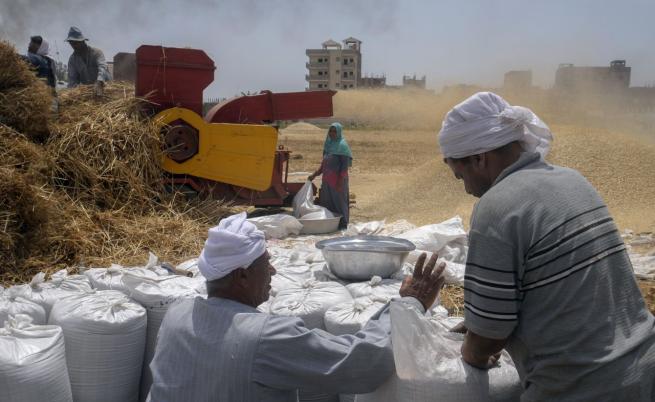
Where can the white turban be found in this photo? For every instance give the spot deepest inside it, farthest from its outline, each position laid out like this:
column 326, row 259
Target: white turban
column 485, row 122
column 234, row 243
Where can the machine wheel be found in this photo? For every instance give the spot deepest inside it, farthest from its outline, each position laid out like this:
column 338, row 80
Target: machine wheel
column 181, row 142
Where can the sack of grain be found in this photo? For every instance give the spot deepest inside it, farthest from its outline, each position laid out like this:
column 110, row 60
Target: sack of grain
column 105, row 333
column 277, row 226
column 14, row 305
column 156, row 295
column 47, row 293
column 112, row 278
column 310, row 301
column 33, row 362
column 351, row 316
column 430, row 367
column 378, row 288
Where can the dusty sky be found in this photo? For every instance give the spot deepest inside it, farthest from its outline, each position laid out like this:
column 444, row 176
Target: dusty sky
column 260, row 44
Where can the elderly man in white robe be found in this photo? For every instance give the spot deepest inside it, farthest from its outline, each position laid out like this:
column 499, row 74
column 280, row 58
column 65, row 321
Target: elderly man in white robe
column 224, row 349
column 547, row 274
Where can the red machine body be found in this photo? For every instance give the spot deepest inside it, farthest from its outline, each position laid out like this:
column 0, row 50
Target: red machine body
column 174, row 77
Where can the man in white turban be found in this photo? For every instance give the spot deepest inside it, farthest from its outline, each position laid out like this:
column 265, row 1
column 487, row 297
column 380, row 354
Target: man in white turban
column 223, row 349
column 547, row 274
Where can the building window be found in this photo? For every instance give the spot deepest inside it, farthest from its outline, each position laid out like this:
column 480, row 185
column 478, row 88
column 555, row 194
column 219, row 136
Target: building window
column 337, row 85
column 351, row 85
column 351, row 73
column 345, row 62
column 351, row 60
column 320, row 73
column 337, row 71
column 320, row 60
column 345, row 74
column 338, row 58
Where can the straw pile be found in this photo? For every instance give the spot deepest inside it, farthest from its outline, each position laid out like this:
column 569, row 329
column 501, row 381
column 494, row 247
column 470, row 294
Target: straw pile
column 24, row 99
column 92, row 193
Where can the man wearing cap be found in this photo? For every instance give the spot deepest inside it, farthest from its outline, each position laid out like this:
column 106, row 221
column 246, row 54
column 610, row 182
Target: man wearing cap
column 223, row 349
column 547, row 274
column 87, row 64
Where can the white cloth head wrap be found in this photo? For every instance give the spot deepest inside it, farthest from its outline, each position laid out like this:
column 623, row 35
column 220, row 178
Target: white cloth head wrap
column 234, row 243
column 485, row 122
column 44, row 48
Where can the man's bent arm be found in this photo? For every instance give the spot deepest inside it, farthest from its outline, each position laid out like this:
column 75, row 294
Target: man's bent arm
column 478, row 350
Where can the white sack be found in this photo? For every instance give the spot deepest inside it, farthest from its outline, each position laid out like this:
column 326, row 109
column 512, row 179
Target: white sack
column 112, row 278
column 278, row 226
column 33, row 362
column 10, row 305
column 351, row 316
column 304, row 207
column 156, row 295
column 366, row 228
column 47, row 293
column 378, row 288
column 105, row 334
column 429, row 365
column 310, row 301
column 644, row 265
column 448, row 239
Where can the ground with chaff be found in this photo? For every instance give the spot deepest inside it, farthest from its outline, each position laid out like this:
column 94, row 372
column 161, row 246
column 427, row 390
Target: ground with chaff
column 86, row 188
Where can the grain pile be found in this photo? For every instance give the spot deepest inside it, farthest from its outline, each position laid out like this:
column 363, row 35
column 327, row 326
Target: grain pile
column 91, row 193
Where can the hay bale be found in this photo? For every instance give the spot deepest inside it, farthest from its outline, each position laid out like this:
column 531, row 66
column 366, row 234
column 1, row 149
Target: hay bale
column 106, row 153
column 25, row 100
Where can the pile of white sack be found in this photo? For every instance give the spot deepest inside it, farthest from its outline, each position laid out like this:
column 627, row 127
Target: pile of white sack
column 280, row 226
column 87, row 337
column 93, row 335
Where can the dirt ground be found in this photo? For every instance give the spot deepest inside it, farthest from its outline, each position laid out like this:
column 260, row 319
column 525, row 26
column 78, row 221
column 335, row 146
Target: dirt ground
column 400, row 174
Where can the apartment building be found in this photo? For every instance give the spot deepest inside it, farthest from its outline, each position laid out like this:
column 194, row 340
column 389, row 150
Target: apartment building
column 335, row 66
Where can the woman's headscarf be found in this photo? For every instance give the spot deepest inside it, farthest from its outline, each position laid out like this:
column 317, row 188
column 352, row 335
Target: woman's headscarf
column 339, row 146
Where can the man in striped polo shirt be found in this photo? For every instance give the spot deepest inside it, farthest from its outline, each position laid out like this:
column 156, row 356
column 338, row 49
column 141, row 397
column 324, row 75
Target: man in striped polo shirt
column 547, row 276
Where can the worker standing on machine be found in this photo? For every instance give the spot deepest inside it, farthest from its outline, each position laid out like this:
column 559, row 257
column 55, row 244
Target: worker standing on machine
column 87, row 64
column 337, row 158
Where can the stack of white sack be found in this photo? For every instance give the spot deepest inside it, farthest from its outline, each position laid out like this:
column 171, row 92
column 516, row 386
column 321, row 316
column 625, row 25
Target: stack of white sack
column 309, row 301
column 112, row 278
column 13, row 305
column 46, row 294
column 278, row 226
column 448, row 239
column 293, row 267
column 304, row 207
column 33, row 362
column 351, row 316
column 156, row 295
column 377, row 288
column 105, row 334
column 429, row 367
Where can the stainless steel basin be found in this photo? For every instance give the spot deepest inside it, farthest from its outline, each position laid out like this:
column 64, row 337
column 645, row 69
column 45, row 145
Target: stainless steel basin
column 359, row 258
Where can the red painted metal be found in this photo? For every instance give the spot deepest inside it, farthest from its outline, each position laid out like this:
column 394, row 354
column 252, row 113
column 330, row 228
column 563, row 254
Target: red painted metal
column 267, row 107
column 173, row 76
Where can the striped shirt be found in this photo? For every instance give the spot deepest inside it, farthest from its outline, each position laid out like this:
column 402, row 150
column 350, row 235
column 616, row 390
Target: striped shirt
column 548, row 270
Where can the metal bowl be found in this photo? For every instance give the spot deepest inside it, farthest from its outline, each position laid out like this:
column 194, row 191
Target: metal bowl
column 320, row 226
column 359, row 258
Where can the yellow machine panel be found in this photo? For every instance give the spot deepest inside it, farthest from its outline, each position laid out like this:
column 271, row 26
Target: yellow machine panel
column 238, row 154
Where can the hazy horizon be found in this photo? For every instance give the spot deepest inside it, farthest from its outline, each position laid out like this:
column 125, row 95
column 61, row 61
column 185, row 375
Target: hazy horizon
column 261, row 44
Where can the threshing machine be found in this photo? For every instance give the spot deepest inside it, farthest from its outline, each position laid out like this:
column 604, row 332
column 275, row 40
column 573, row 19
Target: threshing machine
column 232, row 152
